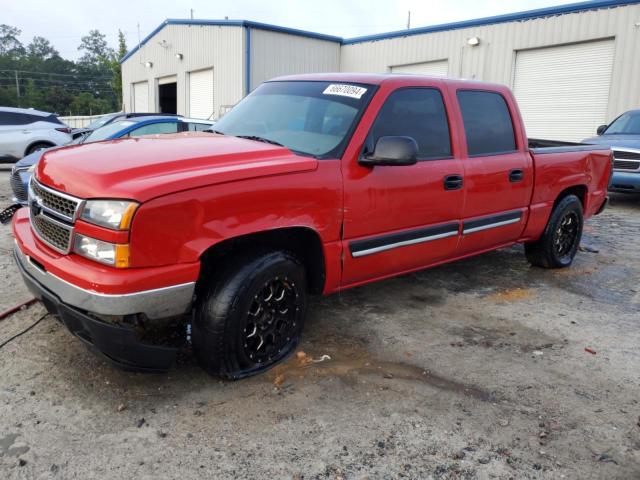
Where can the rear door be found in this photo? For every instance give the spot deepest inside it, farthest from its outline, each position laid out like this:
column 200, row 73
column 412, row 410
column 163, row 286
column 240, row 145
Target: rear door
column 498, row 171
column 401, row 218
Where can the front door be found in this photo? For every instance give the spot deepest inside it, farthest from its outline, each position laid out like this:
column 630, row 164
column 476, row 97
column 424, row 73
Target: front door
column 401, row 218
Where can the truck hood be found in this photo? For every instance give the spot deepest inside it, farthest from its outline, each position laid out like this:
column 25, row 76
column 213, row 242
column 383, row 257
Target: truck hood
column 148, row 167
column 623, row 141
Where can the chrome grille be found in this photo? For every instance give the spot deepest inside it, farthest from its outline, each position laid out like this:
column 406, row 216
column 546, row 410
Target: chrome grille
column 52, row 215
column 626, row 165
column 52, row 232
column 626, row 154
column 57, row 203
column 18, row 188
column 628, row 160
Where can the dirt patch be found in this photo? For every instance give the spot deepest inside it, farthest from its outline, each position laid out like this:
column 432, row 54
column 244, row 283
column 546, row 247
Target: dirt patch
column 353, row 361
column 511, row 295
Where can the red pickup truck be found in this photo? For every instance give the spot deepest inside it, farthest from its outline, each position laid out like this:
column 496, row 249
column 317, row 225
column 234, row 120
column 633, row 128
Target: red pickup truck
column 310, row 185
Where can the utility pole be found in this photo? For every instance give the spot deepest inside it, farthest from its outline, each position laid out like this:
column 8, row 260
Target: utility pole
column 17, row 88
column 409, row 20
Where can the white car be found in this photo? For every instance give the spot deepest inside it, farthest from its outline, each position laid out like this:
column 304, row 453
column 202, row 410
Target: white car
column 23, row 131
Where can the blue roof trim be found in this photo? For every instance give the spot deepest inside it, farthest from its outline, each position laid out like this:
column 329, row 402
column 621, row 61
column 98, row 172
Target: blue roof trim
column 509, row 17
column 234, row 23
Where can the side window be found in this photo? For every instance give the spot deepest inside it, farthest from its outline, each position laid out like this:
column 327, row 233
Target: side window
column 418, row 113
column 487, row 122
column 199, row 127
column 155, row 128
column 12, row 118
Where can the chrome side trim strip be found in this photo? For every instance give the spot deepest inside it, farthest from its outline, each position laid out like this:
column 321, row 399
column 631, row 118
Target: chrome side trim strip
column 362, row 253
column 157, row 303
column 491, row 225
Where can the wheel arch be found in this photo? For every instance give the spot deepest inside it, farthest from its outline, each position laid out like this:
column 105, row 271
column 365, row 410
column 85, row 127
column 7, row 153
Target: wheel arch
column 579, row 191
column 33, row 143
column 304, row 242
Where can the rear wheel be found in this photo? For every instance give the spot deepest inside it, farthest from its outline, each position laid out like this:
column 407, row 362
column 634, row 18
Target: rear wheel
column 559, row 243
column 251, row 315
column 37, row 146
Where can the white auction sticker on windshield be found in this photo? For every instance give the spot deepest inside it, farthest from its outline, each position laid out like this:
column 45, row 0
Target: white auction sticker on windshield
column 343, row 90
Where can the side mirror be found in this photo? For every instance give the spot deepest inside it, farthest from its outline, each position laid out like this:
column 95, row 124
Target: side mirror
column 601, row 129
column 392, row 151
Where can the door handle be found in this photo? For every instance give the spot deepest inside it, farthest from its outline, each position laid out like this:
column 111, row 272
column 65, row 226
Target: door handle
column 453, row 182
column 516, row 175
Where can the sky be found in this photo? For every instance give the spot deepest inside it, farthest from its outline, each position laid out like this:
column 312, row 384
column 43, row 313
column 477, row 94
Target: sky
column 64, row 22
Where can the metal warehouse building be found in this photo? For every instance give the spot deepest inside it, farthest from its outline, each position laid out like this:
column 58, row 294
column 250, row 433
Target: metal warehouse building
column 572, row 67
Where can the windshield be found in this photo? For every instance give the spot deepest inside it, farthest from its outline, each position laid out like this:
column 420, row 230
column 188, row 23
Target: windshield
column 626, row 124
column 100, row 122
column 310, row 118
column 107, row 131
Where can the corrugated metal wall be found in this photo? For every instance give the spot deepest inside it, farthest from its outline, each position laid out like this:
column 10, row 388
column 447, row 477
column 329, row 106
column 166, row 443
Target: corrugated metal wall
column 494, row 59
column 220, row 47
column 274, row 54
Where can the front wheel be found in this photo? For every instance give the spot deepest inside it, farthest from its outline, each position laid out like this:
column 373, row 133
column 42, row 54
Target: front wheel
column 559, row 243
column 251, row 314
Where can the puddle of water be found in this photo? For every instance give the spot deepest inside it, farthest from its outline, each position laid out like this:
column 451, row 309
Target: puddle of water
column 349, row 362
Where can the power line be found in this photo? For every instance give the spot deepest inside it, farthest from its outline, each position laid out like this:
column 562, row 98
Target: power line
column 57, row 74
column 64, row 82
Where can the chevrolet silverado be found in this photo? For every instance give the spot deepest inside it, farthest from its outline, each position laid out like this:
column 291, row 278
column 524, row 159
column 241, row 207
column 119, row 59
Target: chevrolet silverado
column 312, row 184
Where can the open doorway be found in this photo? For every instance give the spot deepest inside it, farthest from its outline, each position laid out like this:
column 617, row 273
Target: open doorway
column 167, row 97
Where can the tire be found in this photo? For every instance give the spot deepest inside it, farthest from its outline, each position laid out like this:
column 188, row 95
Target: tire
column 37, row 146
column 251, row 315
column 559, row 243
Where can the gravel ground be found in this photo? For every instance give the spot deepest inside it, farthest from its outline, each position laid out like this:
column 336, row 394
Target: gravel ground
column 476, row 369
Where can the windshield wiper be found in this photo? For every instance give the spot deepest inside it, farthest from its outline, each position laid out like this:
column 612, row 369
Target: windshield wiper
column 260, row 139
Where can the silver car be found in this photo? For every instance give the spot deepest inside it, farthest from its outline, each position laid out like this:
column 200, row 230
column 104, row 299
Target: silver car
column 24, row 131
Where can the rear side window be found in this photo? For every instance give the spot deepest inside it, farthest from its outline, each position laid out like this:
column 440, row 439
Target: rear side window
column 155, row 128
column 418, row 113
column 487, row 122
column 199, row 127
column 51, row 119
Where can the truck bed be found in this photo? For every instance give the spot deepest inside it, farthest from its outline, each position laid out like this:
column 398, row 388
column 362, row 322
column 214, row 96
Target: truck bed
column 541, row 146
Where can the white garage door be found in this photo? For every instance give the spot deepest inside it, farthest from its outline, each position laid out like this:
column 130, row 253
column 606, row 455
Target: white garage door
column 141, row 97
column 438, row 69
column 563, row 91
column 201, row 94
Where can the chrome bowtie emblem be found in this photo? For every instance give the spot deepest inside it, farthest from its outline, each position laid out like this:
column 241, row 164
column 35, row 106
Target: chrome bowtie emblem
column 35, row 205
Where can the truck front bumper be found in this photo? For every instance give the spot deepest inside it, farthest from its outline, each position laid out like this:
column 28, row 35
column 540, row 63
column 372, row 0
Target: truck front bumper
column 626, row 182
column 84, row 294
column 118, row 345
column 157, row 303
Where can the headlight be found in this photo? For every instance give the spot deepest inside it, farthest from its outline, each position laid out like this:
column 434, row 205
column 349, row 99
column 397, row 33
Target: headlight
column 114, row 214
column 116, row 255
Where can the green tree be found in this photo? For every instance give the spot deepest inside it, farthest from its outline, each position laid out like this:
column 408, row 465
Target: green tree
column 10, row 45
column 86, row 104
column 96, row 50
column 40, row 48
column 116, row 82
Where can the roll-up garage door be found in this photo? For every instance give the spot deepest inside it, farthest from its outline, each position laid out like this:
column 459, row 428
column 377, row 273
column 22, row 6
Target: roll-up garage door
column 141, row 97
column 439, row 68
column 563, row 91
column 201, row 94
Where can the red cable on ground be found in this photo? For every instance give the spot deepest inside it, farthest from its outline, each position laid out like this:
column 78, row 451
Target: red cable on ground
column 12, row 310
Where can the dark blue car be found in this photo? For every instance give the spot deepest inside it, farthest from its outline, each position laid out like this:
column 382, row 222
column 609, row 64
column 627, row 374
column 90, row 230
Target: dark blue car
column 125, row 127
column 623, row 136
